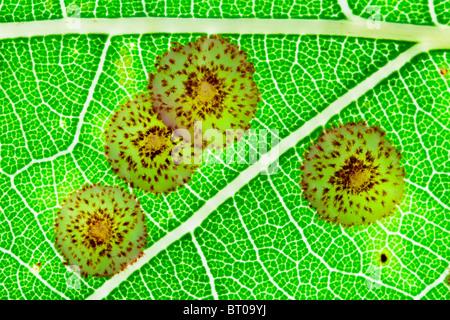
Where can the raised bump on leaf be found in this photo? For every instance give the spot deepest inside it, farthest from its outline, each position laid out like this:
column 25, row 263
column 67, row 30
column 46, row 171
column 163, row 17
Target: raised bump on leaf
column 209, row 80
column 141, row 152
column 352, row 175
column 101, row 230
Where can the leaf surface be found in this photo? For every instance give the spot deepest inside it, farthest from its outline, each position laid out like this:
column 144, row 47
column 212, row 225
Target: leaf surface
column 234, row 232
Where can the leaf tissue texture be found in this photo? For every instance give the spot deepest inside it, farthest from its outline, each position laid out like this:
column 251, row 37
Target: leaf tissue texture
column 29, row 10
column 237, row 230
column 294, row 9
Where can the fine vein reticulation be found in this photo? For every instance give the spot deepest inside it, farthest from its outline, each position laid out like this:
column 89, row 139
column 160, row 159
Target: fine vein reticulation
column 431, row 38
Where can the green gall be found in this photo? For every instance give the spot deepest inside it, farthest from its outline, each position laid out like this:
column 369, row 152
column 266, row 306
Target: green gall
column 209, row 81
column 101, row 230
column 142, row 150
column 352, row 175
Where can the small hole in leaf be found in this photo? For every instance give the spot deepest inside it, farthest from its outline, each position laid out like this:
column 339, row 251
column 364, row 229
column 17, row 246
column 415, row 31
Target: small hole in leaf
column 383, row 257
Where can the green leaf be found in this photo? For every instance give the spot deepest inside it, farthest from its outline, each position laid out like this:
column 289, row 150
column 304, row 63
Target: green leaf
column 236, row 231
